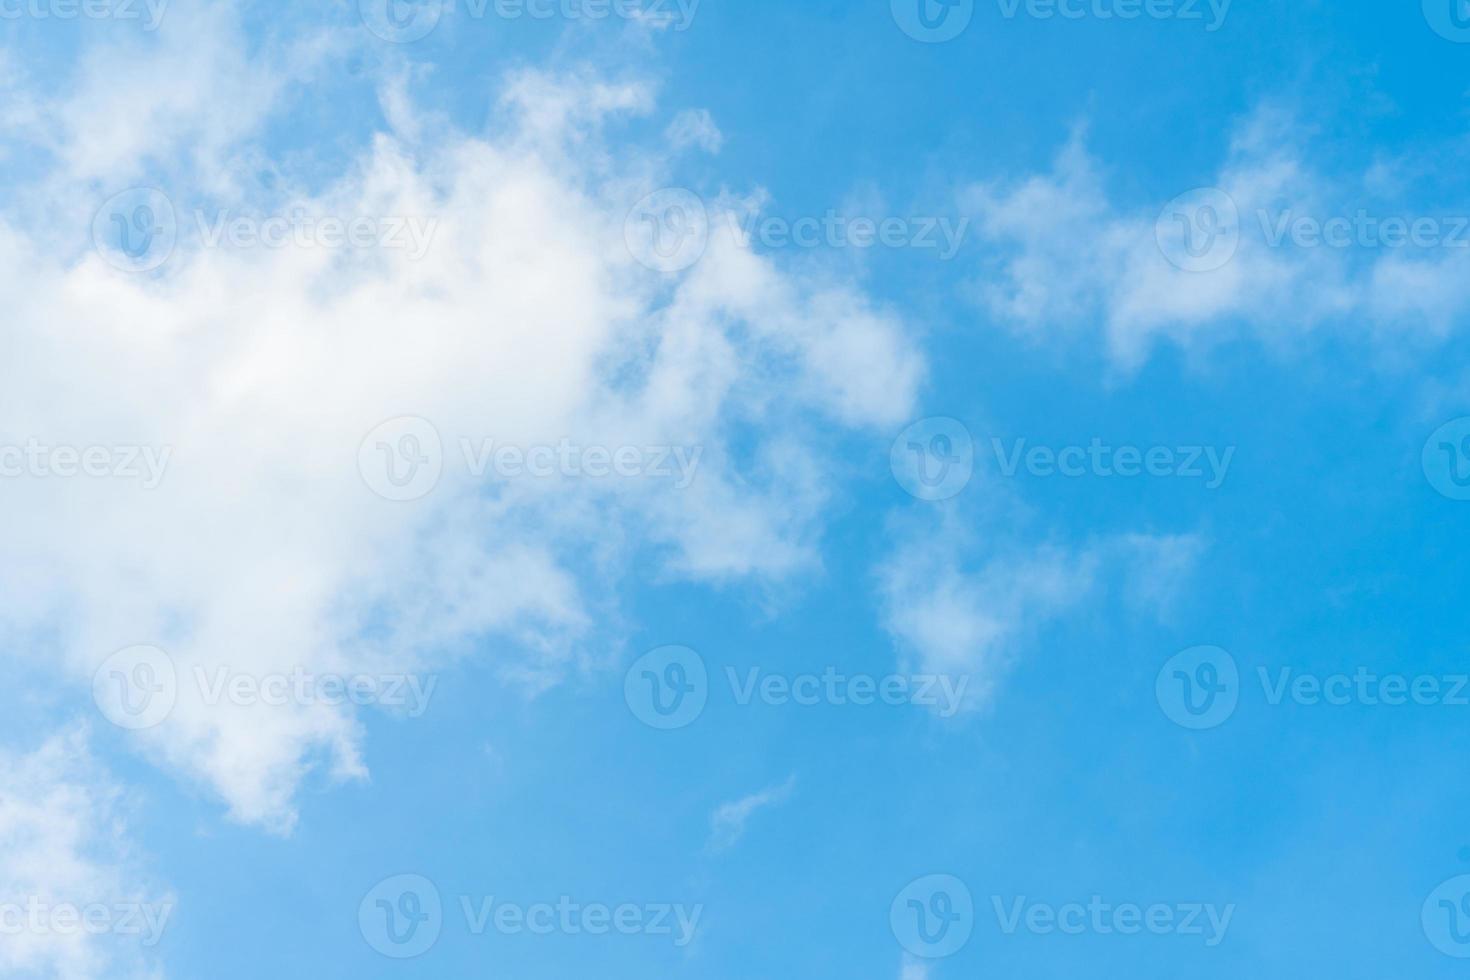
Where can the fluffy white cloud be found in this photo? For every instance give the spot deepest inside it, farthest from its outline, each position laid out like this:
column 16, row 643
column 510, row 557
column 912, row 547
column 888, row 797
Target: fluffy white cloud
column 261, row 371
column 64, row 848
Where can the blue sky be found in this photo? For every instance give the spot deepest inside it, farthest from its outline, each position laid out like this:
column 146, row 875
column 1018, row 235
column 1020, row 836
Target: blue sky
column 294, row 477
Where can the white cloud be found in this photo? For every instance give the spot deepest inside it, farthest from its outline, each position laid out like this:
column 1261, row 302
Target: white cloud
column 63, row 844
column 727, row 824
column 1069, row 257
column 528, row 322
column 954, row 614
column 695, row 127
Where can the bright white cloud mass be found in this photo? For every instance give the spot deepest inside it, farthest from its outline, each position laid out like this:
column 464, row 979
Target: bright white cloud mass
column 260, row 372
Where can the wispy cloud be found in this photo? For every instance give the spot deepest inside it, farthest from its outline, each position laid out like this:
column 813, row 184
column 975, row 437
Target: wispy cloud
column 727, row 824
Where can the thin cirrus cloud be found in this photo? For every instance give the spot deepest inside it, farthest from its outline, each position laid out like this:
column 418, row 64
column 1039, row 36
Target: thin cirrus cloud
column 728, row 822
